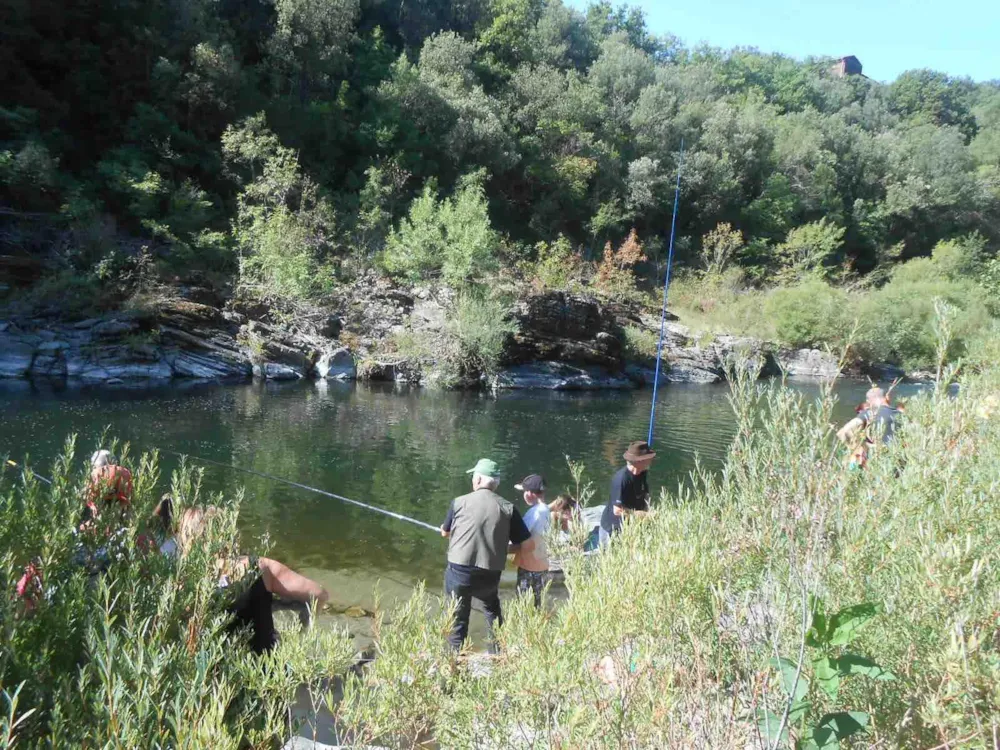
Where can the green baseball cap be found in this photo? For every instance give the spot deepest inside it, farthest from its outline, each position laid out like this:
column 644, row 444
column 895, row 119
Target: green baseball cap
column 485, row 467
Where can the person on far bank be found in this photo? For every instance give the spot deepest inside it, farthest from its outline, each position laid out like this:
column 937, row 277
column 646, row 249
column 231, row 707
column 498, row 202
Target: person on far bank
column 629, row 494
column 878, row 420
column 533, row 566
column 481, row 528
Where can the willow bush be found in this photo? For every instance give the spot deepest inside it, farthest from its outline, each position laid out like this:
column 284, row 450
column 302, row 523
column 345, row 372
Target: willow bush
column 136, row 656
column 786, row 602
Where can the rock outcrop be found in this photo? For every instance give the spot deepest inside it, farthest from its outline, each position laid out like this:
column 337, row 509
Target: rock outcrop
column 564, row 341
column 559, row 376
column 567, row 328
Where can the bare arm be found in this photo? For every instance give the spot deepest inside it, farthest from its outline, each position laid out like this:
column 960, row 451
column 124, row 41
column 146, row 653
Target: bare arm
column 285, row 583
column 845, row 433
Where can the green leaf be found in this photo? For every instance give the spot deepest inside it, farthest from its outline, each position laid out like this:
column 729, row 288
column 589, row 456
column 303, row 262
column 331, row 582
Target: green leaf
column 768, row 723
column 788, row 669
column 844, row 723
column 849, row 664
column 818, row 634
column 827, row 676
column 798, row 712
column 845, row 624
column 821, row 738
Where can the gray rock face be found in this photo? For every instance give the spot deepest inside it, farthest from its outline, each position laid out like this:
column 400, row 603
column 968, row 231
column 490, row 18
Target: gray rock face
column 562, row 327
column 336, row 365
column 276, row 371
column 559, row 376
column 810, row 363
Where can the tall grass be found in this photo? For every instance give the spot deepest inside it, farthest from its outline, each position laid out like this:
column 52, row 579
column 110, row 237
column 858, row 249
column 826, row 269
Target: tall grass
column 136, row 656
column 721, row 607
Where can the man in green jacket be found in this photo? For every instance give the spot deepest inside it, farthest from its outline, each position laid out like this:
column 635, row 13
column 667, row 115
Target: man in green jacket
column 481, row 528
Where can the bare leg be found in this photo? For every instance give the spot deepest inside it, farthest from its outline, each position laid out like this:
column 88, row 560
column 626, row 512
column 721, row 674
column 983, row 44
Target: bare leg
column 285, row 583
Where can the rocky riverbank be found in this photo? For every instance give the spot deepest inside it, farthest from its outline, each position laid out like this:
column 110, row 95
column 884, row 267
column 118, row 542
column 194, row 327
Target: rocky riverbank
column 563, row 341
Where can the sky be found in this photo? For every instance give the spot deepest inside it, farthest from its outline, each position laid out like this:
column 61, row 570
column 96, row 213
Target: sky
column 887, row 36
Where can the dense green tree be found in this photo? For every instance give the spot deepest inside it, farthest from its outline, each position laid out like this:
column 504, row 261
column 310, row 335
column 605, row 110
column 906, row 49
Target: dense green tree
column 171, row 119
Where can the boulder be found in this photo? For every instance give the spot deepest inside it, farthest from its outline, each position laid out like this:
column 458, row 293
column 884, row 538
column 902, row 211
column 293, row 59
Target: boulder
column 205, row 365
column 559, row 376
column 810, row 363
column 336, row 365
column 114, row 328
column 276, row 371
column 15, row 357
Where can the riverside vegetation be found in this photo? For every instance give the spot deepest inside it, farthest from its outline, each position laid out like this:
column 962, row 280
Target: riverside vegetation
column 785, row 602
column 278, row 150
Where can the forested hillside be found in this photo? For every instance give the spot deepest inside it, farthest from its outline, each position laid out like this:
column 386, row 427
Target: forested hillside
column 292, row 143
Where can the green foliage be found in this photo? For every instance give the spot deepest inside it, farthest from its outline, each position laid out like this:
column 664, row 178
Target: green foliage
column 810, row 250
column 702, row 625
column 640, row 343
column 719, row 247
column 136, row 655
column 810, row 314
column 284, row 226
column 450, row 237
column 558, row 265
column 480, row 327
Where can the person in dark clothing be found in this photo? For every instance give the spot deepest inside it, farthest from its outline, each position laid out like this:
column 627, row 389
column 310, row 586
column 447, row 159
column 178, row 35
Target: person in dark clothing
column 250, row 583
column 480, row 527
column 629, row 490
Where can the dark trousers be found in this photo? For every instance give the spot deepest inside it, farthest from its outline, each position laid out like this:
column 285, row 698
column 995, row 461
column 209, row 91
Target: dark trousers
column 528, row 580
column 466, row 584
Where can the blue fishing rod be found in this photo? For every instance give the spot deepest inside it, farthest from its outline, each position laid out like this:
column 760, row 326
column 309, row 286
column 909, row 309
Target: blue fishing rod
column 349, row 501
column 666, row 289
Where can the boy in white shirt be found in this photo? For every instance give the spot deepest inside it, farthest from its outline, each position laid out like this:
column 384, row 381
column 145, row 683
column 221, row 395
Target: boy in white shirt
column 533, row 566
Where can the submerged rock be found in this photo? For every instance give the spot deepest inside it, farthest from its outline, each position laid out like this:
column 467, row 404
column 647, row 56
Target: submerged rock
column 811, row 363
column 559, row 376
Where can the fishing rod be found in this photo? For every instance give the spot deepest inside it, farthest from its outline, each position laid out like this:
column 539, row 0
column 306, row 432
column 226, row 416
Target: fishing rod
column 358, row 503
column 35, row 474
column 666, row 288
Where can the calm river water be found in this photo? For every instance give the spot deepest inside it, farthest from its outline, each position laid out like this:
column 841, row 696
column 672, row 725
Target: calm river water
column 405, row 450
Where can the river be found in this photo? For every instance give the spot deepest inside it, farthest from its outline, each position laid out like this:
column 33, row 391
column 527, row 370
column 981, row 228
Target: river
column 406, row 450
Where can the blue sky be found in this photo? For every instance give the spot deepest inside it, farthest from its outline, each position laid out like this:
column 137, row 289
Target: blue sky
column 888, row 36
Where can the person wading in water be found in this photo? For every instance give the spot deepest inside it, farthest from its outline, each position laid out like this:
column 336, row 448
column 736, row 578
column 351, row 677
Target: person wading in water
column 479, row 527
column 629, row 490
column 533, row 566
column 874, row 425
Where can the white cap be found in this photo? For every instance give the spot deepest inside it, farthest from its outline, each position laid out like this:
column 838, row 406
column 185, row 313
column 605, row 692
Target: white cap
column 101, row 458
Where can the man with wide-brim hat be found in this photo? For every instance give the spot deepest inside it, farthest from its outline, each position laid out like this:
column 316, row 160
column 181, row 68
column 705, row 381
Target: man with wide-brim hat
column 481, row 528
column 629, row 494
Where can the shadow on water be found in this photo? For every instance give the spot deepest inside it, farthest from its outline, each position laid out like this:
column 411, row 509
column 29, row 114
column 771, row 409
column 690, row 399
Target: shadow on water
column 404, row 449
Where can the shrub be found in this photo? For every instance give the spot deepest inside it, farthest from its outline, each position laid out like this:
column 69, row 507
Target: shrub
column 669, row 638
column 136, row 656
column 558, row 265
column 450, row 237
column 719, row 247
column 284, row 227
column 479, row 329
column 810, row 249
column 810, row 314
column 898, row 319
column 616, row 275
column 640, row 343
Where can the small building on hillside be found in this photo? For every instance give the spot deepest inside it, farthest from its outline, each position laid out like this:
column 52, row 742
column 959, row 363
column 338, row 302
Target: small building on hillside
column 847, row 66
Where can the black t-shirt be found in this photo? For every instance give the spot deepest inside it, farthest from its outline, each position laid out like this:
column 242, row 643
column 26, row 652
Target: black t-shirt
column 882, row 422
column 627, row 491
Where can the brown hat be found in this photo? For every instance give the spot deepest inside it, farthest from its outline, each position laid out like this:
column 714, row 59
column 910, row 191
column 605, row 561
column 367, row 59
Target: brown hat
column 639, row 451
